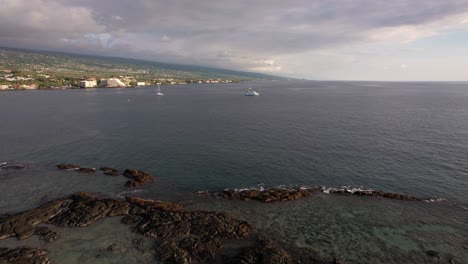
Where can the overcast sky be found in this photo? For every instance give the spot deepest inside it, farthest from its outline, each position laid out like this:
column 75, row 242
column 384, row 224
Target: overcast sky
column 314, row 39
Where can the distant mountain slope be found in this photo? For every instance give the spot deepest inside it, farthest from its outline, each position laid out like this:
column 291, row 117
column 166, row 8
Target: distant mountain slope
column 77, row 65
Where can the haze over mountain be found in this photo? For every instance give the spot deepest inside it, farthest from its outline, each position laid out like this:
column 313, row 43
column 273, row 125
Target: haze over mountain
column 347, row 39
column 83, row 66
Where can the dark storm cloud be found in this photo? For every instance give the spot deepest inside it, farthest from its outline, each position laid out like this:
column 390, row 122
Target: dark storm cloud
column 239, row 34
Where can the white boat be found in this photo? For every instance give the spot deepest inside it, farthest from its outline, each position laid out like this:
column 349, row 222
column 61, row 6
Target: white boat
column 251, row 92
column 159, row 90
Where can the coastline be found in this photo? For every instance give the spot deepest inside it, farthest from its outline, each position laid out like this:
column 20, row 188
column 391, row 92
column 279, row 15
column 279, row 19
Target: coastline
column 180, row 231
column 95, row 88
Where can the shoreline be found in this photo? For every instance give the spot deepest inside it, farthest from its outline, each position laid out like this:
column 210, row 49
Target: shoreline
column 120, row 87
column 178, row 232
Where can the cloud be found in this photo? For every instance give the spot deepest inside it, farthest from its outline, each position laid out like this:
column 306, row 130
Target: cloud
column 260, row 35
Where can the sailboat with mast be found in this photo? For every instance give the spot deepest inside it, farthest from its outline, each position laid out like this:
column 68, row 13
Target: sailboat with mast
column 159, row 90
column 251, row 92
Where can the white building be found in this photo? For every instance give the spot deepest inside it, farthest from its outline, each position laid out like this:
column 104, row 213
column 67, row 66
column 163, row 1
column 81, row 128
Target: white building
column 88, row 84
column 112, row 82
column 141, row 83
column 4, row 87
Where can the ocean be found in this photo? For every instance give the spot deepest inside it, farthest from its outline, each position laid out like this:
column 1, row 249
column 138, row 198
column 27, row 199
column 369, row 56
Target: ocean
column 402, row 137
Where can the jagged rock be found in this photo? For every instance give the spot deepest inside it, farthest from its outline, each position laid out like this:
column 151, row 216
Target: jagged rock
column 170, row 253
column 139, row 178
column 155, row 204
column 67, row 166
column 46, row 234
column 23, row 256
column 130, row 220
column 134, row 184
column 191, row 235
column 268, row 195
column 385, row 195
column 75, row 167
column 182, row 236
column 86, row 210
column 22, row 225
column 287, row 194
column 110, row 171
column 87, row 170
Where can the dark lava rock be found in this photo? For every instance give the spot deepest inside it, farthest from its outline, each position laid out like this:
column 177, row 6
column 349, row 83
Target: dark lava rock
column 265, row 252
column 23, row 256
column 130, row 220
column 110, row 171
column 86, row 170
column 46, row 234
column 269, row 195
column 134, row 184
column 75, row 167
column 87, row 209
column 67, row 166
column 181, row 236
column 433, row 253
column 139, row 178
column 383, row 195
column 191, row 235
column 155, row 204
column 22, row 225
column 288, row 194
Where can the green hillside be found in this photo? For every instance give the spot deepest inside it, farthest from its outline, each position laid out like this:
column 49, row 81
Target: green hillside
column 46, row 69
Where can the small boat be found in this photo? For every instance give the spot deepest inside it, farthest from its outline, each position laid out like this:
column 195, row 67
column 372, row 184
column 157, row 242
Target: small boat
column 251, row 92
column 159, row 90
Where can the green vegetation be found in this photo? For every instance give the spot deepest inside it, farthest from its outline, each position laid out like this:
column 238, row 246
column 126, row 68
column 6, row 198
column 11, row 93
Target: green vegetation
column 54, row 69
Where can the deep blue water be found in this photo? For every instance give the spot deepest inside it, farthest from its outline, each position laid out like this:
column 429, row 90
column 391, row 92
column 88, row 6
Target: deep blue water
column 401, row 137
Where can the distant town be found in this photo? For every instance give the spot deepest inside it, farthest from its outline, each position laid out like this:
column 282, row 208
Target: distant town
column 11, row 81
column 28, row 70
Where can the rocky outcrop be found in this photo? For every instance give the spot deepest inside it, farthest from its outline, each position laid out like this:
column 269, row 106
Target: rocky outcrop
column 373, row 193
column 181, row 236
column 23, row 225
column 191, row 236
column 287, row 194
column 63, row 166
column 139, row 178
column 110, row 171
column 85, row 209
column 268, row 195
column 75, row 168
column 148, row 204
column 23, row 256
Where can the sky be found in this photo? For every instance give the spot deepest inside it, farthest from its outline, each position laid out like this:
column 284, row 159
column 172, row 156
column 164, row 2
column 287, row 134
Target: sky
column 393, row 40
